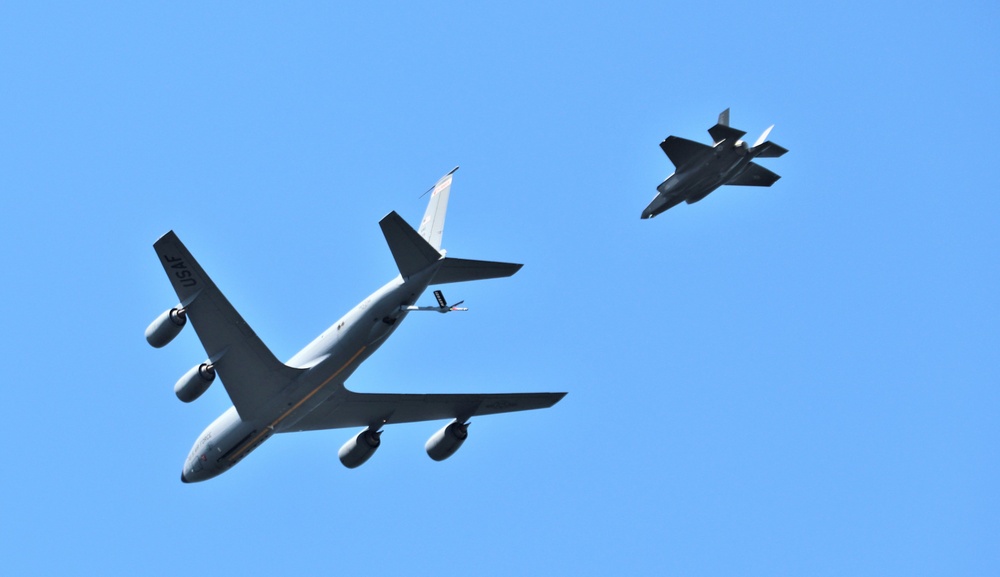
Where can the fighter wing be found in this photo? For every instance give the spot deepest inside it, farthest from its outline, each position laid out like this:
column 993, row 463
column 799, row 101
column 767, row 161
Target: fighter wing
column 368, row 409
column 755, row 175
column 681, row 150
column 248, row 370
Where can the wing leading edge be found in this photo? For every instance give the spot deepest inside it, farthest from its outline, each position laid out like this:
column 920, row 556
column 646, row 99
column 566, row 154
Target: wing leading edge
column 249, row 371
column 375, row 409
column 681, row 150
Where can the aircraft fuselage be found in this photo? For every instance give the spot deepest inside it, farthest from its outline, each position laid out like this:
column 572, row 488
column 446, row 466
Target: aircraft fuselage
column 330, row 359
column 699, row 177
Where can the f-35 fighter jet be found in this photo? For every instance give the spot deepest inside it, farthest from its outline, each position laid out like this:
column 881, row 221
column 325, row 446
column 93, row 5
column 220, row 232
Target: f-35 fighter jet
column 700, row 168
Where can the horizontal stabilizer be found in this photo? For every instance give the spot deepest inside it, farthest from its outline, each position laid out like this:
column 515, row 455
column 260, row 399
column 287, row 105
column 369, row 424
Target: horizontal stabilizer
column 755, row 175
column 769, row 150
column 722, row 132
column 681, row 150
column 461, row 270
column 410, row 250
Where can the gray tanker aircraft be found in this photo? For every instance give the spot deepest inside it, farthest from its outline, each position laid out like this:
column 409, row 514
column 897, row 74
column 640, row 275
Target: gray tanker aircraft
column 307, row 392
column 700, row 169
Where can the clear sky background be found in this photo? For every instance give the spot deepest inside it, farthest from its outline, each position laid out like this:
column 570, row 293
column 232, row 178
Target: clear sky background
column 799, row 380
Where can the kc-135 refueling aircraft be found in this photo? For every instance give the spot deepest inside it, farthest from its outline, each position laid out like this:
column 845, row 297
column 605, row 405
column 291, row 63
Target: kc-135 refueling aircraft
column 700, row 169
column 307, row 392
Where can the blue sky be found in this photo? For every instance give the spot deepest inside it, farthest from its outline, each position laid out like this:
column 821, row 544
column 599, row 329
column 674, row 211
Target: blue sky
column 799, row 380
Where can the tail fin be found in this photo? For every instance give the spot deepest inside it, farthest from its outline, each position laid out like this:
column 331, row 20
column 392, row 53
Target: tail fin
column 763, row 136
column 432, row 226
column 721, row 131
column 764, row 148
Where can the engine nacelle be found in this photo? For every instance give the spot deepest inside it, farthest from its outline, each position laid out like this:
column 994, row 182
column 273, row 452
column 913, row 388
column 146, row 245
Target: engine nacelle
column 445, row 442
column 359, row 449
column 195, row 382
column 166, row 326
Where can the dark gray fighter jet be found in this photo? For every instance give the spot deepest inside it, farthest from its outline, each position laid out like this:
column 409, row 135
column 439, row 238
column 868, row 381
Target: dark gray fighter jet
column 700, row 168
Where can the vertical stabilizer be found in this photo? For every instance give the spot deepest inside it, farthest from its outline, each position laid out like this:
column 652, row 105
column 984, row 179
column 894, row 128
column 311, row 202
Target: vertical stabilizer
column 722, row 131
column 432, row 226
column 763, row 137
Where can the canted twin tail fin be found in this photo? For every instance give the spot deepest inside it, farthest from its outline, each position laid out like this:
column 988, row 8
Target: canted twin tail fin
column 722, row 131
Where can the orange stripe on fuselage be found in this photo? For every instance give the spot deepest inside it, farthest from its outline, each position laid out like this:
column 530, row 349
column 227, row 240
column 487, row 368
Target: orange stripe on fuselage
column 238, row 454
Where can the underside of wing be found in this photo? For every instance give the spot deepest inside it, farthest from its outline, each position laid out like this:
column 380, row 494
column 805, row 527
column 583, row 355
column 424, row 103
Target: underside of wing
column 755, row 175
column 249, row 371
column 681, row 150
column 375, row 410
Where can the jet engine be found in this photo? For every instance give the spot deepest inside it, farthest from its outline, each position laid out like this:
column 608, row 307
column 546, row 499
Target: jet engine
column 359, row 449
column 166, row 326
column 195, row 382
column 445, row 442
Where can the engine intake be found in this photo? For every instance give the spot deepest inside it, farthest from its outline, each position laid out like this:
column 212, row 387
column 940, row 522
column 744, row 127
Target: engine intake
column 445, row 442
column 359, row 449
column 195, row 382
column 166, row 326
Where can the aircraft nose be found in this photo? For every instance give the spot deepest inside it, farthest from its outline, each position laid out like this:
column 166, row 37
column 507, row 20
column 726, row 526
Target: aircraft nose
column 183, row 478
